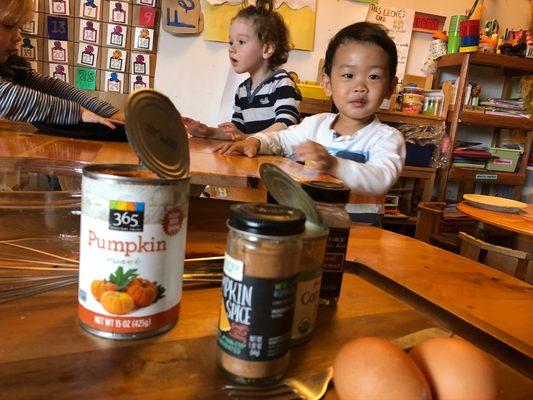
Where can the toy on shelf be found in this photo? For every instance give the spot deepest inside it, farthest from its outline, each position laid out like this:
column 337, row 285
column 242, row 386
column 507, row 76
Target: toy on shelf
column 437, row 48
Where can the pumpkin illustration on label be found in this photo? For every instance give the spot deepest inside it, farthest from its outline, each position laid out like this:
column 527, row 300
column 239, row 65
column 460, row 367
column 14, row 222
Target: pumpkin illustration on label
column 124, row 291
column 142, row 291
column 118, row 303
column 99, row 287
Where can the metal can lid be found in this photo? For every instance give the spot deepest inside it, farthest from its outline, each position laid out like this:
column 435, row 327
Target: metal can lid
column 327, row 192
column 289, row 193
column 267, row 219
column 156, row 133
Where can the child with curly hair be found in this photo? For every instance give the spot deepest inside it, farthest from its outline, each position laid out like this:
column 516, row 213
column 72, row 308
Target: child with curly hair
column 269, row 99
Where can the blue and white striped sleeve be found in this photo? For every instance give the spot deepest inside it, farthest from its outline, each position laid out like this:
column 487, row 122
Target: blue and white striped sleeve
column 58, row 88
column 287, row 106
column 20, row 103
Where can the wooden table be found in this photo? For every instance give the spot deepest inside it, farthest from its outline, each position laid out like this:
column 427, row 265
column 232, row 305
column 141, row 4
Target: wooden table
column 206, row 167
column 44, row 349
column 493, row 304
column 521, row 223
column 45, row 354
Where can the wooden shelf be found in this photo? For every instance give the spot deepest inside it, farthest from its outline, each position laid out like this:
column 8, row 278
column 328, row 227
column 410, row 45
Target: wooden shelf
column 513, row 63
column 399, row 221
column 483, row 175
column 497, row 121
column 406, row 118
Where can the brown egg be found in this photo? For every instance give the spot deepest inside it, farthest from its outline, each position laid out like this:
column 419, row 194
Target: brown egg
column 456, row 369
column 373, row 368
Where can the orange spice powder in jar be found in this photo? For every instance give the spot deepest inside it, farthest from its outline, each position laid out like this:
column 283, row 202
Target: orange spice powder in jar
column 258, row 291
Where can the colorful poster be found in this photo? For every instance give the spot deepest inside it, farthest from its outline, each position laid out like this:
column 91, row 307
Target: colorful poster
column 147, row 16
column 28, row 48
column 116, row 35
column 85, row 78
column 399, row 24
column 89, row 31
column 57, row 27
column 139, row 82
column 87, row 55
column 59, row 7
column 116, row 60
column 59, row 71
column 90, row 9
column 118, row 12
column 144, row 39
column 32, row 27
column 114, row 82
column 140, row 64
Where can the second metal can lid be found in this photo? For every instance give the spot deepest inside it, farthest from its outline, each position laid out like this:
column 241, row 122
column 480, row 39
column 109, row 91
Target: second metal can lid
column 156, row 133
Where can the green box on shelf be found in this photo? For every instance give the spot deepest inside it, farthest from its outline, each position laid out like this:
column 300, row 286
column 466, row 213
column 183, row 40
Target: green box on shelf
column 505, row 159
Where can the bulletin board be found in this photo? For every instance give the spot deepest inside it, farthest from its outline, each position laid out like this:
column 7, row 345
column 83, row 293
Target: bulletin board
column 105, row 46
column 299, row 17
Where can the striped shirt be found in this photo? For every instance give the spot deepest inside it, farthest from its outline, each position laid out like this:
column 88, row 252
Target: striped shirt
column 276, row 99
column 34, row 97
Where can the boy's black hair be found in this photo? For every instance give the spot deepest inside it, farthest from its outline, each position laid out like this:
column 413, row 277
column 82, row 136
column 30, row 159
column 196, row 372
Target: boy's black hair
column 365, row 32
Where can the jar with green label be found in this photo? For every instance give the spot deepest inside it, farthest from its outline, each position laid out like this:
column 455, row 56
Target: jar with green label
column 258, row 291
column 330, row 199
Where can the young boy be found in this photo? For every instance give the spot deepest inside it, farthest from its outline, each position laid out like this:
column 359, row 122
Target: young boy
column 360, row 69
column 26, row 95
column 269, row 99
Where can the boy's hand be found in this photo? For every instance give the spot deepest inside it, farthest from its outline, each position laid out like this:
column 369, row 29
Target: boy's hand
column 196, row 128
column 249, row 147
column 232, row 131
column 316, row 157
column 89, row 116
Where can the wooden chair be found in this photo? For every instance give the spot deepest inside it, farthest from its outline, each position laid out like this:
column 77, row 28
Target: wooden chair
column 510, row 261
column 428, row 227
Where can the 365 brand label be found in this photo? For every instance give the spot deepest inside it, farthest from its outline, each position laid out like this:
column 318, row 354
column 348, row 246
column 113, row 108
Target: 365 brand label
column 126, row 216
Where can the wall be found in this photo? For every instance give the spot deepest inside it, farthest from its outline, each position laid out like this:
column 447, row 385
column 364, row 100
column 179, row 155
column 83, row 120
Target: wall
column 195, row 74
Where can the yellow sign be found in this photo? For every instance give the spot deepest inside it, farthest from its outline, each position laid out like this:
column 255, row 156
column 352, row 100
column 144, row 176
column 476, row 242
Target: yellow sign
column 301, row 23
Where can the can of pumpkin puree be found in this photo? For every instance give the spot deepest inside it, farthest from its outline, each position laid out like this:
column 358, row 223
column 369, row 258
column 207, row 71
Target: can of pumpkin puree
column 133, row 227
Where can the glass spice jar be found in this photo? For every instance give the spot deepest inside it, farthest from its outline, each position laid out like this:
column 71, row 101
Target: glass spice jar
column 330, row 199
column 258, row 291
column 282, row 189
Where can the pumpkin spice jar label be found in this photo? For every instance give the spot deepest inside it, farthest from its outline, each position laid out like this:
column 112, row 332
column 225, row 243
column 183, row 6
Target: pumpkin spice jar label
column 131, row 257
column 256, row 314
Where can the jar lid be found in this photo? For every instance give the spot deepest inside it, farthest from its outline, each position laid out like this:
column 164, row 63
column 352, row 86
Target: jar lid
column 412, row 90
column 156, row 133
column 327, row 192
column 289, row 193
column 266, row 219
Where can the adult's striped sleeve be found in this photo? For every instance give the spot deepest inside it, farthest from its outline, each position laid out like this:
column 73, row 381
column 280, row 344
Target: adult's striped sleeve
column 20, row 103
column 58, row 88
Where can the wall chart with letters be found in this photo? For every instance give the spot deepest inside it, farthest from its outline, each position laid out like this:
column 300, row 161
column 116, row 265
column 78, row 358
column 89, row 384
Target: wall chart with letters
column 98, row 45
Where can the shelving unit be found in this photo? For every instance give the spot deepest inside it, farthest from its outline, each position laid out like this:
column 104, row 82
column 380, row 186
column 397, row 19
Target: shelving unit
column 510, row 67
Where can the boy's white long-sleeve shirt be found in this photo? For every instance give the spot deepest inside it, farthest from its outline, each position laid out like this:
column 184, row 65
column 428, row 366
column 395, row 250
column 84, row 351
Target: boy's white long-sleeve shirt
column 369, row 161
